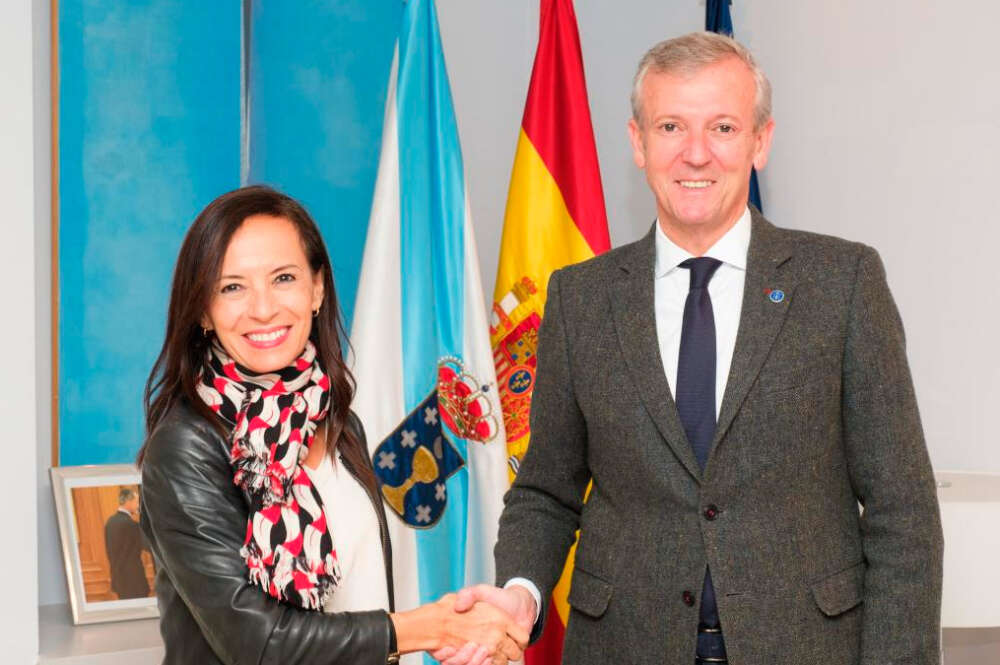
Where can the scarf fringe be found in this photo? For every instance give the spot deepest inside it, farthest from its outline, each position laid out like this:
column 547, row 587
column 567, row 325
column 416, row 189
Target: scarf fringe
column 314, row 597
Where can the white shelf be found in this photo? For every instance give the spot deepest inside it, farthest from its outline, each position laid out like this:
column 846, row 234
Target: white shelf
column 970, row 515
column 116, row 643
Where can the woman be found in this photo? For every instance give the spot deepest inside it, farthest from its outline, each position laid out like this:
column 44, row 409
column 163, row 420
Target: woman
column 259, row 498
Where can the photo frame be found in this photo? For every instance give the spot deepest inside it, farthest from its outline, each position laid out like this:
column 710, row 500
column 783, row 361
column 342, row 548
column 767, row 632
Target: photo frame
column 109, row 569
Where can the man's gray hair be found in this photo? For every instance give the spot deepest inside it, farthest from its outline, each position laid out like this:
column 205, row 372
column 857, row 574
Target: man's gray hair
column 688, row 54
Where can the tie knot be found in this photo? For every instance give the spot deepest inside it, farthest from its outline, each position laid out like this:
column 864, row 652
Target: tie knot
column 702, row 269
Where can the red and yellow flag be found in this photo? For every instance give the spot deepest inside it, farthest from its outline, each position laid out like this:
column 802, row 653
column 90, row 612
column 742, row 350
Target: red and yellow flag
column 555, row 216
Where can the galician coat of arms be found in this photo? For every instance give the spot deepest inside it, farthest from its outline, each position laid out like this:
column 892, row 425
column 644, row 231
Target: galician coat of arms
column 414, row 462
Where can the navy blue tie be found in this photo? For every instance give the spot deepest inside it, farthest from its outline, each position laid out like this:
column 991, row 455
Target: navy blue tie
column 695, row 399
column 695, row 390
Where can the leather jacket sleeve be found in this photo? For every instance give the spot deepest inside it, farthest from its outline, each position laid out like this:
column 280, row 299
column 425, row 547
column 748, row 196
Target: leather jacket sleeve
column 195, row 519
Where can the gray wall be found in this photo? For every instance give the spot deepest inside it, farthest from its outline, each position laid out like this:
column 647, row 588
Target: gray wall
column 18, row 118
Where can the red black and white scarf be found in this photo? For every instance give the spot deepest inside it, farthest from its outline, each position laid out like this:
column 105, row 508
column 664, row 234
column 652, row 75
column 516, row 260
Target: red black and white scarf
column 289, row 549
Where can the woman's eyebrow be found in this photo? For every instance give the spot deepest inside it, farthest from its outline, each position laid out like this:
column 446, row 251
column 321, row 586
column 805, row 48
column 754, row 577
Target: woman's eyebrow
column 290, row 266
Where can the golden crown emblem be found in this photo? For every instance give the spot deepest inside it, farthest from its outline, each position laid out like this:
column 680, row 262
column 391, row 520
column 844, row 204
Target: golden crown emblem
column 465, row 407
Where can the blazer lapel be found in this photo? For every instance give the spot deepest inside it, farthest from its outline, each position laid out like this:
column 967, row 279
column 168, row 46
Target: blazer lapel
column 761, row 317
column 633, row 310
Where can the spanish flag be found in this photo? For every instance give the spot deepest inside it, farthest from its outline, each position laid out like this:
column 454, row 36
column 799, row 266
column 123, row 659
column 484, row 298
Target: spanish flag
column 555, row 216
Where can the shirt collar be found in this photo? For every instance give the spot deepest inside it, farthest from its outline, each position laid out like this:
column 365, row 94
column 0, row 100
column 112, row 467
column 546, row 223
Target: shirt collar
column 731, row 248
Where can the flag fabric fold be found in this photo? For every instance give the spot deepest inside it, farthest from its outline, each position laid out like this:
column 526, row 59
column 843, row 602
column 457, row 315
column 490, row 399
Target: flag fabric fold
column 426, row 386
column 555, row 216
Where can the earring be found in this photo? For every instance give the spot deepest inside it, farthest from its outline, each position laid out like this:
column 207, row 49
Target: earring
column 205, row 331
column 316, row 312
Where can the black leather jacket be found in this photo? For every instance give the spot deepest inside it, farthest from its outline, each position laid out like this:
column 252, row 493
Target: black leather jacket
column 195, row 520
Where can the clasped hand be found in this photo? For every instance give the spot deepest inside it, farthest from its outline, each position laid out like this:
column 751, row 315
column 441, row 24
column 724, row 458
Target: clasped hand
column 487, row 625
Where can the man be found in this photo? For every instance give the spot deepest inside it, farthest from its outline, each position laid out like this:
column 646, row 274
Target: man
column 124, row 542
column 733, row 391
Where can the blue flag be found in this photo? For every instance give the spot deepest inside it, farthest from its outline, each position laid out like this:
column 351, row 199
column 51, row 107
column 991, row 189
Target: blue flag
column 718, row 19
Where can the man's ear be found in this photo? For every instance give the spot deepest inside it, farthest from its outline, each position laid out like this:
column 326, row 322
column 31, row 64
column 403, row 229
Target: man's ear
column 762, row 147
column 638, row 147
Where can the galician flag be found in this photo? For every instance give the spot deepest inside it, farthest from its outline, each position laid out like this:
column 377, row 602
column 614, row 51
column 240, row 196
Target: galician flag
column 555, row 216
column 426, row 387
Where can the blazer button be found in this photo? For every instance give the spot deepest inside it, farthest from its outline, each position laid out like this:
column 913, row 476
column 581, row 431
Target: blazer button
column 688, row 598
column 711, row 512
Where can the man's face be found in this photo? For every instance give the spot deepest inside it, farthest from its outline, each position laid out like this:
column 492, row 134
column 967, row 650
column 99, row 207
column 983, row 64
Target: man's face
column 697, row 143
column 132, row 504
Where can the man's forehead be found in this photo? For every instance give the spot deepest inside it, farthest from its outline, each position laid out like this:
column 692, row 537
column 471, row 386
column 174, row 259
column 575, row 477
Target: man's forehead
column 699, row 94
column 724, row 89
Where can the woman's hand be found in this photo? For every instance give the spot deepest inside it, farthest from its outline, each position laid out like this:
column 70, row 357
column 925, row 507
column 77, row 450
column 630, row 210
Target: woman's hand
column 482, row 634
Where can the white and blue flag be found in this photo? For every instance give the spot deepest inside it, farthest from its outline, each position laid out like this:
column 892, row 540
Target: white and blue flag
column 426, row 384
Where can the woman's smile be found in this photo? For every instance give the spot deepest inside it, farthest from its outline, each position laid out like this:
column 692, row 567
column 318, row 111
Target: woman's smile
column 267, row 339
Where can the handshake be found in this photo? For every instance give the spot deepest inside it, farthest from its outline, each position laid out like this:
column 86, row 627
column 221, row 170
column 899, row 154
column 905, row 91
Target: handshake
column 478, row 625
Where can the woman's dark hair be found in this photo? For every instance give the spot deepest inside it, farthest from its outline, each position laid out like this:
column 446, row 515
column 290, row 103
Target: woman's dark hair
column 199, row 265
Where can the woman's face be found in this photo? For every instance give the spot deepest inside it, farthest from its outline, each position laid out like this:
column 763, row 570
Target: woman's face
column 262, row 306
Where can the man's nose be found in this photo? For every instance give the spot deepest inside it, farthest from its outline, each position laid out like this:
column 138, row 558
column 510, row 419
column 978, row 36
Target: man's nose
column 696, row 150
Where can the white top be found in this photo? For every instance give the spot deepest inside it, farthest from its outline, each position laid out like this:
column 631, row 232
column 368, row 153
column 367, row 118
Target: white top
column 671, row 285
column 354, row 525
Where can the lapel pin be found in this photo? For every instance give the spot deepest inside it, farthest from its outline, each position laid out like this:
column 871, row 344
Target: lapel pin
column 774, row 295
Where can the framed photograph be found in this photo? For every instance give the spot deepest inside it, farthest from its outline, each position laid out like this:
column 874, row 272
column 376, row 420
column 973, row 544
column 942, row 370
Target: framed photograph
column 109, row 568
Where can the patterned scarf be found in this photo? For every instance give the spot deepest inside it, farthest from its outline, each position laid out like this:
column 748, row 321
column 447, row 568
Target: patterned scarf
column 289, row 549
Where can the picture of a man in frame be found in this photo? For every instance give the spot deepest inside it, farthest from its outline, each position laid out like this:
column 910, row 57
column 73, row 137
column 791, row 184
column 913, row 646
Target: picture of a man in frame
column 124, row 543
column 114, row 558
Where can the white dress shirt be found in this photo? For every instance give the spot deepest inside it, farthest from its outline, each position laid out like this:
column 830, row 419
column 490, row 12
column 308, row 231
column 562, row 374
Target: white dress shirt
column 354, row 526
column 671, row 284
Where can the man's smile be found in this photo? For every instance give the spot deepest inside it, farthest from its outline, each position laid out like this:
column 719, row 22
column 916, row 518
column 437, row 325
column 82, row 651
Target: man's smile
column 695, row 184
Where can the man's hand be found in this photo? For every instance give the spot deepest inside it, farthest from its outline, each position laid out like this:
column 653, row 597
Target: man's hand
column 516, row 601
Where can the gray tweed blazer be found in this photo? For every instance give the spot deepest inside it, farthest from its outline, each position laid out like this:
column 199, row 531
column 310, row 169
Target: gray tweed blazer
column 819, row 416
